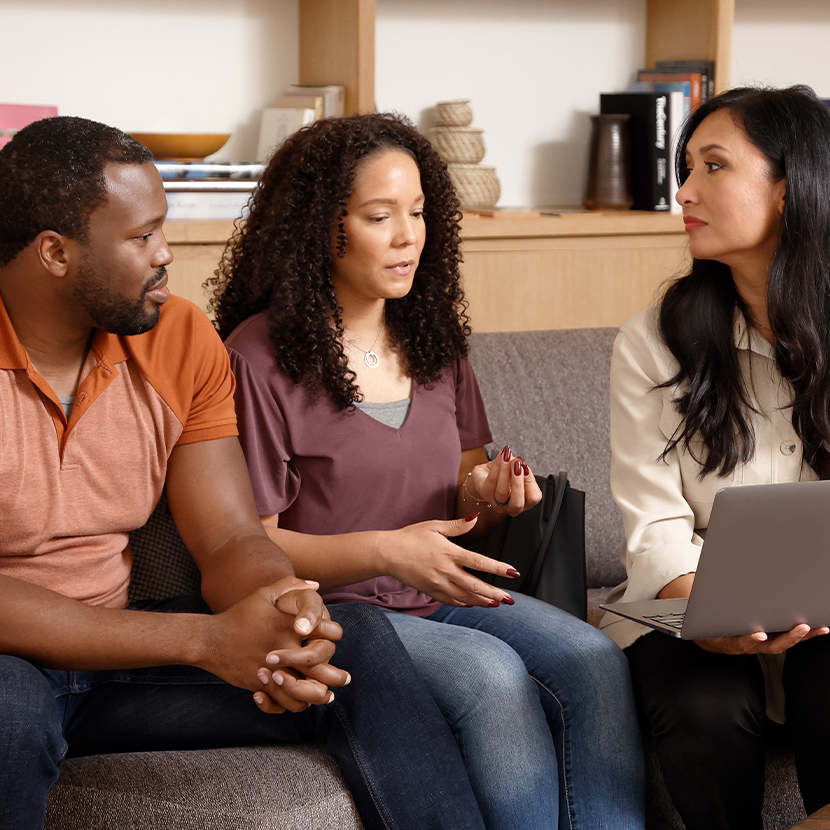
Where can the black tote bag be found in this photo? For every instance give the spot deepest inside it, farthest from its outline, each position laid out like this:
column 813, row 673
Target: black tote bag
column 546, row 545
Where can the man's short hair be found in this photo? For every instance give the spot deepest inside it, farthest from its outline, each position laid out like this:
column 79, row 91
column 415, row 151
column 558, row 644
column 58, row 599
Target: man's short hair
column 52, row 178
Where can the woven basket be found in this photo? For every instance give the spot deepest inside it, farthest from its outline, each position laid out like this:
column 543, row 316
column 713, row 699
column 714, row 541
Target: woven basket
column 477, row 185
column 455, row 113
column 458, row 145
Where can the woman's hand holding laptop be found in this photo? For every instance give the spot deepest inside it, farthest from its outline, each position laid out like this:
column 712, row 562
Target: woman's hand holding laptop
column 759, row 642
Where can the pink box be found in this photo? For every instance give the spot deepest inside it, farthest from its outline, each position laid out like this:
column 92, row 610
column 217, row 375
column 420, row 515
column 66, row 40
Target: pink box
column 14, row 117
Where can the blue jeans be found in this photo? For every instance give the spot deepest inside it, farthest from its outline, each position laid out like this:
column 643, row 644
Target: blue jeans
column 392, row 744
column 542, row 708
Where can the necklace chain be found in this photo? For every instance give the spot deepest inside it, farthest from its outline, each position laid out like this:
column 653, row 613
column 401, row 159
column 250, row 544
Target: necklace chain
column 370, row 356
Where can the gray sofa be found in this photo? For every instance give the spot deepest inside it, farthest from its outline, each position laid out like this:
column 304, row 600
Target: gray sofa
column 547, row 396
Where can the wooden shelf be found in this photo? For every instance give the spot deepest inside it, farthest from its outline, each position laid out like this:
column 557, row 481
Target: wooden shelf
column 509, row 224
column 337, row 46
column 521, row 270
column 337, row 41
column 526, row 224
column 198, row 231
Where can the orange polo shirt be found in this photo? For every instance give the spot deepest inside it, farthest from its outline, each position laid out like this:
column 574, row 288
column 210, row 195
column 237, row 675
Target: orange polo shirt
column 71, row 491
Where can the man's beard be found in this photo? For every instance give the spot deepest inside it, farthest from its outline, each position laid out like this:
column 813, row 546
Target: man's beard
column 112, row 312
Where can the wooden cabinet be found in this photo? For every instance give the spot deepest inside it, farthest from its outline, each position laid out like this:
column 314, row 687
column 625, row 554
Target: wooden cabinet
column 560, row 272
column 522, row 271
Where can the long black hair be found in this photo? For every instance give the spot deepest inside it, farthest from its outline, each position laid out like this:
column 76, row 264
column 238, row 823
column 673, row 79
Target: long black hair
column 280, row 260
column 792, row 128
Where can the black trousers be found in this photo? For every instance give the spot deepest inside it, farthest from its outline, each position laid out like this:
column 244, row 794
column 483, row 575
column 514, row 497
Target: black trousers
column 706, row 713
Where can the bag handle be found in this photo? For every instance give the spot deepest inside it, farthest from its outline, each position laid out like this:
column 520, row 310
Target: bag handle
column 552, row 507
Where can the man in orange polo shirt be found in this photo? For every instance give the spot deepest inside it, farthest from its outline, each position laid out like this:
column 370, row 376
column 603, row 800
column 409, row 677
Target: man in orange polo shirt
column 110, row 391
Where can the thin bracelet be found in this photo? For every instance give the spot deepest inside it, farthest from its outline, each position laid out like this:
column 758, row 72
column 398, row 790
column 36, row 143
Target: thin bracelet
column 465, row 493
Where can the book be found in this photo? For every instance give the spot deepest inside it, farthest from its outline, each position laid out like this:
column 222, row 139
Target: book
column 684, row 87
column 649, row 140
column 334, row 96
column 311, row 102
column 277, row 124
column 198, row 170
column 694, row 78
column 706, row 68
column 207, row 204
column 14, row 117
column 679, row 108
column 194, row 185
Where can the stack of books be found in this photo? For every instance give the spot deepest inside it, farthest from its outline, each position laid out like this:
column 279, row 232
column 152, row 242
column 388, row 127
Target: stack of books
column 658, row 103
column 222, row 190
column 208, row 190
column 297, row 106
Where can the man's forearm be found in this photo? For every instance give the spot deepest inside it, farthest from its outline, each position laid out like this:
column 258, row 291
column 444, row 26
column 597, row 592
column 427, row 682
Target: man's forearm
column 239, row 568
column 55, row 631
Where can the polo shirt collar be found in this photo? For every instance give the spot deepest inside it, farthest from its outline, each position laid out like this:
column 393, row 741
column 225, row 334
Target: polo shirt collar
column 105, row 346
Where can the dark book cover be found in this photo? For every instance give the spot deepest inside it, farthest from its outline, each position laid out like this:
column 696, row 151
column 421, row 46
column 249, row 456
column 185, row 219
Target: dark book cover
column 649, row 139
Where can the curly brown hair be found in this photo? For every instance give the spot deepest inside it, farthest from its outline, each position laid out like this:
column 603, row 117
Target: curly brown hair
column 280, row 259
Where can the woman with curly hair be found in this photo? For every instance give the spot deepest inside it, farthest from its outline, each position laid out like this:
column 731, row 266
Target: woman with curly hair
column 364, row 433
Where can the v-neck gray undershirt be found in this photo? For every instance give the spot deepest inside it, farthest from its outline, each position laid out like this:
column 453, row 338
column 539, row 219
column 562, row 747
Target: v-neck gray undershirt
column 393, row 413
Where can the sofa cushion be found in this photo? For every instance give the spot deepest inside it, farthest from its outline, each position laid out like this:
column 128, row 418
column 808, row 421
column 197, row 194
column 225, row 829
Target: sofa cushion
column 162, row 565
column 547, row 395
column 255, row 788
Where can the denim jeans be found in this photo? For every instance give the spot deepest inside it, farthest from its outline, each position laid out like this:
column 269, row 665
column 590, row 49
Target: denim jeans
column 392, row 744
column 542, row 708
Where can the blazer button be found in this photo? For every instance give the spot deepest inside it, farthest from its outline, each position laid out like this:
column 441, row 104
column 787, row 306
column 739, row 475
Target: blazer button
column 787, row 447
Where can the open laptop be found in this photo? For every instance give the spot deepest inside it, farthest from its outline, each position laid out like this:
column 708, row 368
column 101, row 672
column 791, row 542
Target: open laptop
column 764, row 566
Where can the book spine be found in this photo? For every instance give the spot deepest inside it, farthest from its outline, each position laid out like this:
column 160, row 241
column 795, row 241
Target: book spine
column 661, row 155
column 649, row 141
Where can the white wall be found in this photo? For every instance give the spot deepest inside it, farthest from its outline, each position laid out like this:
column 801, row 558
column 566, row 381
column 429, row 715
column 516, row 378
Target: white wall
column 154, row 65
column 782, row 42
column 533, row 70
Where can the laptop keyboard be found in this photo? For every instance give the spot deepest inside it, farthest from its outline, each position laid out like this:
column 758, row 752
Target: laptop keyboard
column 671, row 620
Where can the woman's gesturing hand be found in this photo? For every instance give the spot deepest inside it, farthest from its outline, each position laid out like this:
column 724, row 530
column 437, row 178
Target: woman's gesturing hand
column 422, row 555
column 506, row 482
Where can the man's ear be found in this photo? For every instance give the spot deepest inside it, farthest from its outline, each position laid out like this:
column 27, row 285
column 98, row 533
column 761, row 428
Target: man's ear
column 53, row 251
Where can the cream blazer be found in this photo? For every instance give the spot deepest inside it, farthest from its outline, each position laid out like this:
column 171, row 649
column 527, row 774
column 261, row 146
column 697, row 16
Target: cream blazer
column 665, row 505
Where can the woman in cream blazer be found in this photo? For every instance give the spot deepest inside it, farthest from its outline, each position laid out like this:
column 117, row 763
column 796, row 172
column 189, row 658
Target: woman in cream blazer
column 727, row 382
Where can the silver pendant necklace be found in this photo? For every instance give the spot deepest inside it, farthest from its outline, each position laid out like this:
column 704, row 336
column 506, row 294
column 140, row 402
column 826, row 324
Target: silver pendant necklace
column 370, row 357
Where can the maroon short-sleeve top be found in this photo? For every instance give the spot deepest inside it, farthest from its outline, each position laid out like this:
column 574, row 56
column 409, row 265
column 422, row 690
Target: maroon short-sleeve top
column 326, row 471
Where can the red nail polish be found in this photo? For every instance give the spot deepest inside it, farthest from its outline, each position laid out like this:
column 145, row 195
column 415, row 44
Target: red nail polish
column 493, row 603
column 517, row 468
column 508, row 600
column 506, row 453
column 513, row 572
column 472, row 517
column 526, row 469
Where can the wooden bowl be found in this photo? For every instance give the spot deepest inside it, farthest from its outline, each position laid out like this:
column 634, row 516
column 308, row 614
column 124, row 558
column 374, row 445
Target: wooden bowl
column 182, row 146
